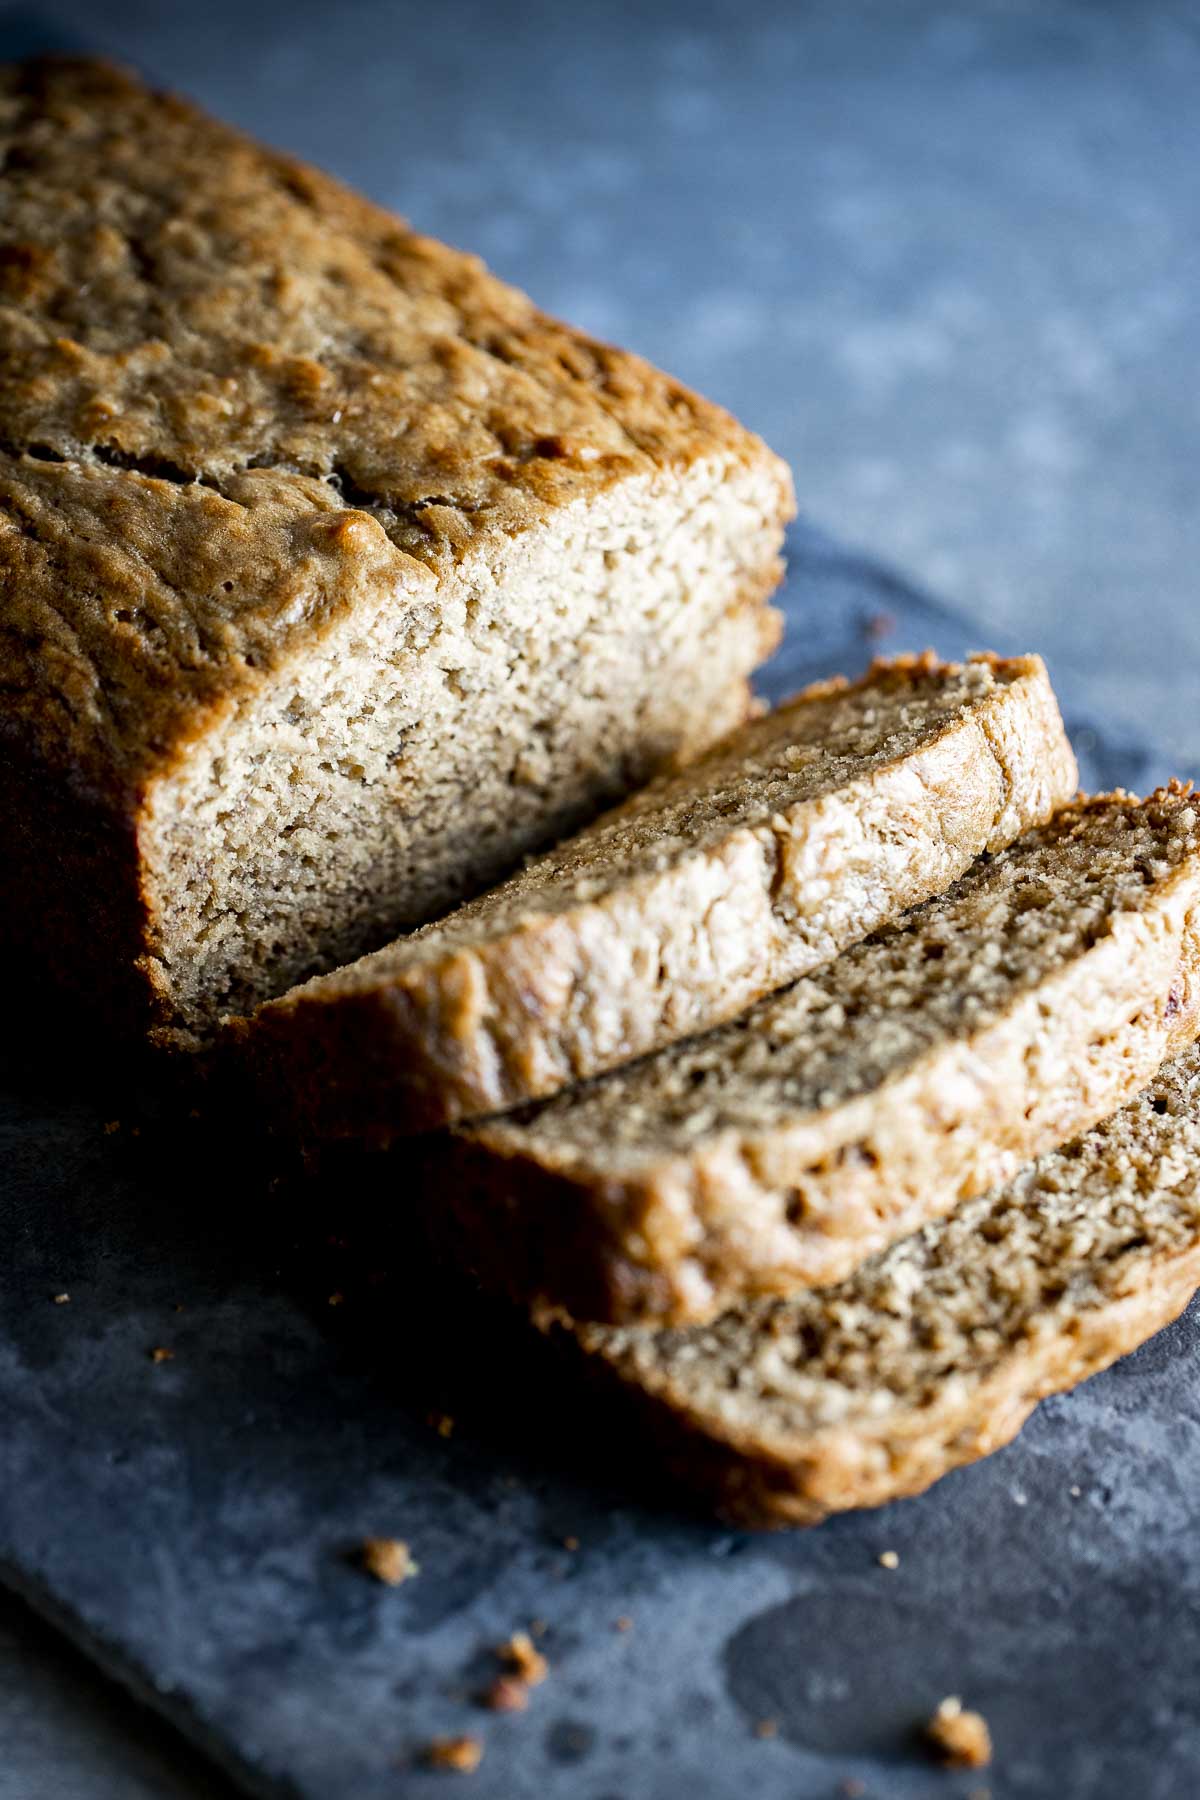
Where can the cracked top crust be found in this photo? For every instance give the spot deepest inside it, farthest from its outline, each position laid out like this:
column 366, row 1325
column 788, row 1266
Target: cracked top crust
column 237, row 399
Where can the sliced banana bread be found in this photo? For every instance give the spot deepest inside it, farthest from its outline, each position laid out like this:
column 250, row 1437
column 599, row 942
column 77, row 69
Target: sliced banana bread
column 936, row 1352
column 333, row 575
column 798, row 834
column 923, row 1066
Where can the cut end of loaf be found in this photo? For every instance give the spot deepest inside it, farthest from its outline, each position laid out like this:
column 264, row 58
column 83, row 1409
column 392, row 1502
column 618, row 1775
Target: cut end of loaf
column 414, row 755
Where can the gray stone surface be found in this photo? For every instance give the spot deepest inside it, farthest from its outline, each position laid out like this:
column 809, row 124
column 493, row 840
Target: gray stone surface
column 69, row 1734
column 944, row 256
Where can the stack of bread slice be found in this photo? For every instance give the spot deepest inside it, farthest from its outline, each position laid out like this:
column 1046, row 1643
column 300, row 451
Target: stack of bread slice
column 831, row 1097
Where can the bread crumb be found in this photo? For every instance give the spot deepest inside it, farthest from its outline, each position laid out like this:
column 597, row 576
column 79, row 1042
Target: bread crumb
column 389, row 1560
column 624, row 1623
column 889, row 1559
column 161, row 1354
column 961, row 1738
column 507, row 1694
column 62, row 1299
column 461, row 1754
column 528, row 1664
column 337, row 1298
column 442, row 1423
column 570, row 1543
column 767, row 1728
column 113, row 1125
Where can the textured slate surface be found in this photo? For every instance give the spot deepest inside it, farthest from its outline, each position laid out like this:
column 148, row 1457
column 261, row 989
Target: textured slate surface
column 944, row 256
column 190, row 1522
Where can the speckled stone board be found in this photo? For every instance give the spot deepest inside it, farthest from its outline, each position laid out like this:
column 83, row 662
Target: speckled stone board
column 192, row 1521
column 942, row 254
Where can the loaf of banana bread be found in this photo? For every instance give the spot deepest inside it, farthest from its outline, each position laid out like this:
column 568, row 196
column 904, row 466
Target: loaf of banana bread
column 333, row 575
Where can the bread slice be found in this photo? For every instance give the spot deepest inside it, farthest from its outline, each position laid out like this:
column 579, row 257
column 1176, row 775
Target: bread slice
column 925, row 1065
column 333, row 575
column 793, row 837
column 936, row 1352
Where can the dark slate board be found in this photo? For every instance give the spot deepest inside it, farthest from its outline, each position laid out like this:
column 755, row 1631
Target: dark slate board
column 191, row 1523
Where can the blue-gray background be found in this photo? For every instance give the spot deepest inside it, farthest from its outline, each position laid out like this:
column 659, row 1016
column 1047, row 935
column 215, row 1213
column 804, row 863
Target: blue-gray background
column 944, row 257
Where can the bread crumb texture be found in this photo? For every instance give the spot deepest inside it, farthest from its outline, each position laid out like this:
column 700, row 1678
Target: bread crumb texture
column 525, row 1660
column 389, row 1560
column 960, row 1738
column 455, row 1755
column 506, row 1694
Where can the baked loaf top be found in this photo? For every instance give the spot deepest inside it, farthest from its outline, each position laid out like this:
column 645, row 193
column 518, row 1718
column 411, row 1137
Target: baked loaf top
column 935, row 1353
column 799, row 833
column 237, row 399
column 924, row 1065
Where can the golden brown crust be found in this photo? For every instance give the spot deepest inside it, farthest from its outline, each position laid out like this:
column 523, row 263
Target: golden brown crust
column 115, row 658
column 960, row 1738
column 682, row 907
column 234, row 406
column 781, row 1150
column 934, row 1355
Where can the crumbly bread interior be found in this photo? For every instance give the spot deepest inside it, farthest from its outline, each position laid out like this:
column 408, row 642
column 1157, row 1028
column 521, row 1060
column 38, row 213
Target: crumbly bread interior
column 948, row 968
column 416, row 753
column 928, row 1321
column 820, row 743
